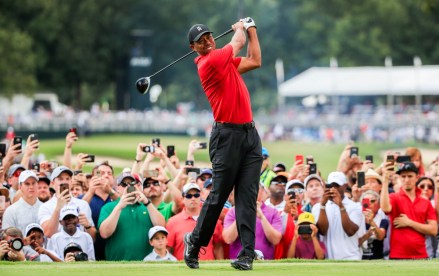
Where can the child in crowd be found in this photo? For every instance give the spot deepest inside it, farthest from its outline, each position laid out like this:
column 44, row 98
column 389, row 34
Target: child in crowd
column 158, row 238
column 35, row 234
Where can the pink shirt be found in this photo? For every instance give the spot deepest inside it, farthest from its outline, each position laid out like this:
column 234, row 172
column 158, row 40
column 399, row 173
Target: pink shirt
column 305, row 249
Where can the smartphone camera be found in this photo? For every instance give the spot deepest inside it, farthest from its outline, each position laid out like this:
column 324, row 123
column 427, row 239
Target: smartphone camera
column 354, row 152
column 299, row 157
column 360, row 179
column 149, row 149
column 34, row 137
column 189, row 162
column 369, row 158
column 391, row 159
column 36, row 167
column 304, row 229
column 156, row 141
column 63, row 187
column 291, row 194
column 91, row 158
column 193, row 170
column 202, row 146
column 18, row 140
column 170, row 150
column 312, row 168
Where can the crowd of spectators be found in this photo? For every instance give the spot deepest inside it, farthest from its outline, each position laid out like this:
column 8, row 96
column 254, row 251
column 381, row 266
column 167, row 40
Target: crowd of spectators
column 361, row 210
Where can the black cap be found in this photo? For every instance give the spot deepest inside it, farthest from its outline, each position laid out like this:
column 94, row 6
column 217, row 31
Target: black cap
column 72, row 247
column 407, row 167
column 196, row 31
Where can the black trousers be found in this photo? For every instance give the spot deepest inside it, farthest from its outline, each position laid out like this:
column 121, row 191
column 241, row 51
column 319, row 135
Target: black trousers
column 236, row 155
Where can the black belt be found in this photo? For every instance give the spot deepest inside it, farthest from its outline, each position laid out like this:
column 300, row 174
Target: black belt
column 249, row 125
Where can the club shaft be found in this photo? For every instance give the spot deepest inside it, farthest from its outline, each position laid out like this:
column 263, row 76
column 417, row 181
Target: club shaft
column 188, row 54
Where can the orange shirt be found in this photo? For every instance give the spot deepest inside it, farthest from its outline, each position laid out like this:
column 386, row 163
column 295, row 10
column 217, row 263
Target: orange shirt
column 183, row 223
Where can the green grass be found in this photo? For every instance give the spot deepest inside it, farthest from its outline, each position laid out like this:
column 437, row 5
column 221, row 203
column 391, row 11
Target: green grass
column 124, row 147
column 286, row 267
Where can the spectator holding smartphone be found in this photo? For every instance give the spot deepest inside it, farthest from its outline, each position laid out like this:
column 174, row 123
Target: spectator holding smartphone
column 377, row 225
column 411, row 216
column 305, row 243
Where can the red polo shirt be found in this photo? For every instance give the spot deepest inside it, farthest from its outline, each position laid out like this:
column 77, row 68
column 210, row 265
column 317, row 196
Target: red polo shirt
column 407, row 243
column 224, row 87
column 181, row 224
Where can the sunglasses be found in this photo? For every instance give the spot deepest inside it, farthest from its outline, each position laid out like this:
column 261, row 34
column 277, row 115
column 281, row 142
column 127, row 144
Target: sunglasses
column 298, row 190
column 422, row 187
column 372, row 201
column 278, row 183
column 189, row 196
column 124, row 184
column 148, row 184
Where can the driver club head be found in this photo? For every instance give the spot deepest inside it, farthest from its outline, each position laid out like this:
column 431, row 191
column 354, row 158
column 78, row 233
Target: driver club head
column 142, row 85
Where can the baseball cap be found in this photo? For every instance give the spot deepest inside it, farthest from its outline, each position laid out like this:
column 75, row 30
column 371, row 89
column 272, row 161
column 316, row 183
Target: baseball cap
column 208, row 183
column 310, row 177
column 373, row 174
column 407, row 167
column 306, row 217
column 196, row 31
column 280, row 177
column 279, row 167
column 205, row 171
column 154, row 230
column 190, row 186
column 71, row 247
column 43, row 177
column 25, row 175
column 31, row 227
column 68, row 210
column 337, row 177
column 294, row 182
column 124, row 175
column 265, row 152
column 59, row 170
column 13, row 168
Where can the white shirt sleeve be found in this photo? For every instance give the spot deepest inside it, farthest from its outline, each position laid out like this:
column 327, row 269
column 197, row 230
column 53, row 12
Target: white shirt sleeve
column 90, row 248
column 8, row 219
column 44, row 213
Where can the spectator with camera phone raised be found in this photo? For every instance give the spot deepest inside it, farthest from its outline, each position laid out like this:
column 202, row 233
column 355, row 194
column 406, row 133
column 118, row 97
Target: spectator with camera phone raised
column 125, row 223
column 32, row 145
column 35, row 235
column 377, row 225
column 69, row 219
column 411, row 216
column 71, row 139
column 305, row 243
column 73, row 253
column 13, row 170
column 339, row 220
column 49, row 212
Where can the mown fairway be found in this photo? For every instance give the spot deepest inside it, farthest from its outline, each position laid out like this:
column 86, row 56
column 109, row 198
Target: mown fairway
column 288, row 267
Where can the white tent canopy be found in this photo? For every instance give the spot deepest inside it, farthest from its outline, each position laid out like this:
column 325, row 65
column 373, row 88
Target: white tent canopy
column 363, row 81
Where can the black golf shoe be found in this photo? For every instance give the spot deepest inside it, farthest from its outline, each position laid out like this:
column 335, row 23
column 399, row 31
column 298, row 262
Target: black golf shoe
column 243, row 263
column 190, row 252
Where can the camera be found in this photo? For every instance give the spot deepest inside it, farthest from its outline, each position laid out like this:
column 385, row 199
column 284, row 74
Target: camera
column 304, row 229
column 202, row 146
column 170, row 150
column 34, row 137
column 369, row 158
column 149, row 149
column 189, row 162
column 80, row 257
column 360, row 179
column 391, row 158
column 16, row 244
column 36, row 167
column 312, row 168
column 403, row 159
column 291, row 193
column 195, row 170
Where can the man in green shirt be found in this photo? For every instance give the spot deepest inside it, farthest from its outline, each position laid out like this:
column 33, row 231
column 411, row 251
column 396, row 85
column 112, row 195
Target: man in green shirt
column 266, row 173
column 125, row 223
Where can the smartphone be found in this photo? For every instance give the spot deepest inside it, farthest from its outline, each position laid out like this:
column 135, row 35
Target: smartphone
column 2, row 150
column 33, row 137
column 53, row 165
column 91, row 158
column 2, row 201
column 354, row 152
column 299, row 157
column 17, row 140
column 202, row 146
column 76, row 172
column 365, row 203
column 360, row 179
column 195, row 170
column 403, row 159
column 36, row 167
column 1, row 161
column 170, row 150
column 291, row 194
column 150, row 173
column 63, row 187
column 304, row 229
column 328, row 186
column 73, row 129
column 156, row 141
column 131, row 188
column 149, row 149
column 189, row 162
column 369, row 158
column 192, row 175
column 309, row 159
column 312, row 168
column 391, row 158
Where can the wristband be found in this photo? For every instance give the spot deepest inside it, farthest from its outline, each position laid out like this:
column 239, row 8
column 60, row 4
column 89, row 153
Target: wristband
column 342, row 209
column 167, row 181
column 322, row 207
column 111, row 193
column 87, row 227
column 138, row 161
column 149, row 202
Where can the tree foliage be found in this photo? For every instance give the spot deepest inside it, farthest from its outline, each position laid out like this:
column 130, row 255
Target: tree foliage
column 81, row 49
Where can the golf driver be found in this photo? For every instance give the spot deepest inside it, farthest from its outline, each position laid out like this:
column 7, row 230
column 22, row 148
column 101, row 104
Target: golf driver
column 143, row 83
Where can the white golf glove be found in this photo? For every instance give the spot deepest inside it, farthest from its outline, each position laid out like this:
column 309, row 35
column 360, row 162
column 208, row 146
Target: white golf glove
column 248, row 22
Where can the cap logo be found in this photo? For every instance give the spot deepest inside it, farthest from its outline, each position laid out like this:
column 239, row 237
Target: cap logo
column 199, row 28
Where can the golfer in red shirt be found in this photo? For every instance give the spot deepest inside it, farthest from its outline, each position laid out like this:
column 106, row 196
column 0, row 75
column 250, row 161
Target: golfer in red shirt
column 235, row 147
